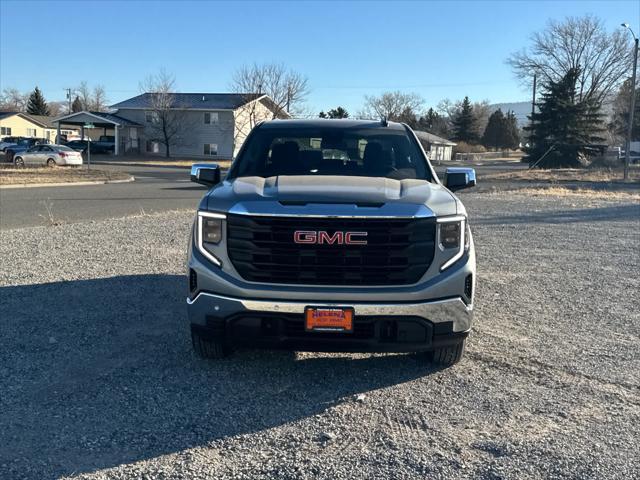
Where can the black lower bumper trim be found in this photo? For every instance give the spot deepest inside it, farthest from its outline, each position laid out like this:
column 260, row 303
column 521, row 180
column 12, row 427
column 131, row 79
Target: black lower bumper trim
column 370, row 334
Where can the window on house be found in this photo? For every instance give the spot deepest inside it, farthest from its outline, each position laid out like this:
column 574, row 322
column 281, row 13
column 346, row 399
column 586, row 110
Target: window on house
column 151, row 117
column 211, row 149
column 31, row 132
column 5, row 130
column 210, row 117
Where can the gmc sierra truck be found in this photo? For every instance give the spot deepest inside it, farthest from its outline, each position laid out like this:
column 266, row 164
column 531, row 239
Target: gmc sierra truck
column 331, row 235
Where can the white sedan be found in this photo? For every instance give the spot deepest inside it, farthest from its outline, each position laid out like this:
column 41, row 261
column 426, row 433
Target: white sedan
column 49, row 155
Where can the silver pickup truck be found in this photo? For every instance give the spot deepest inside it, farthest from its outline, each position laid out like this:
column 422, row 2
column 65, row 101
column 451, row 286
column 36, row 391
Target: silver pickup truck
column 331, row 235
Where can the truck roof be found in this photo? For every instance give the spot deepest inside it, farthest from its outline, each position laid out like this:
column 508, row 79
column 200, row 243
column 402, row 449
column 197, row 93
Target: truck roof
column 330, row 123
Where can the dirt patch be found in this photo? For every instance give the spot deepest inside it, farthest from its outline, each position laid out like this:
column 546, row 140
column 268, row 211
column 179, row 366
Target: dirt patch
column 25, row 176
column 566, row 175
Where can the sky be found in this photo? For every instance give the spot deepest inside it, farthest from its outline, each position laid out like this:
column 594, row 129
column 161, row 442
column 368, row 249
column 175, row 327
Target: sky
column 346, row 49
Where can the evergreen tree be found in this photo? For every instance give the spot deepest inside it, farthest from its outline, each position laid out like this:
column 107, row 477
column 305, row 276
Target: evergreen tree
column 495, row 134
column 511, row 131
column 76, row 106
column 464, row 123
column 569, row 125
column 337, row 112
column 36, row 105
column 435, row 123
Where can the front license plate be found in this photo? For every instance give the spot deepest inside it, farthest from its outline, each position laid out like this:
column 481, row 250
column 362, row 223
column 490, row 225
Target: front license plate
column 328, row 319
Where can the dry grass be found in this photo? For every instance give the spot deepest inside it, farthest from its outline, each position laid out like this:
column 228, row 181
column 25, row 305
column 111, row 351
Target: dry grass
column 565, row 175
column 580, row 192
column 24, row 176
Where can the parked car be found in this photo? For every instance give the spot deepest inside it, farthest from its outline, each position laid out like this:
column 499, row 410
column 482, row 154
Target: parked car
column 8, row 142
column 82, row 145
column 49, row 155
column 108, row 142
column 302, row 248
column 23, row 144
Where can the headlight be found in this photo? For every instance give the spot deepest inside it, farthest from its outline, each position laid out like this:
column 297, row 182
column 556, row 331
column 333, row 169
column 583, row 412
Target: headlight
column 451, row 238
column 209, row 233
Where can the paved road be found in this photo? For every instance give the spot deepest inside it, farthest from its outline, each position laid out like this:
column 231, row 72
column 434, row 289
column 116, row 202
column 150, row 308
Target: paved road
column 156, row 189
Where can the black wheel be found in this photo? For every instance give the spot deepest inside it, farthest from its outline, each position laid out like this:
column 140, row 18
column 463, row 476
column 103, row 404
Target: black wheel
column 51, row 162
column 448, row 356
column 207, row 346
column 18, row 161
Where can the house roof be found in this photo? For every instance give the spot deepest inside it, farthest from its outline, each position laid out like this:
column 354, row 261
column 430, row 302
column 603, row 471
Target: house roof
column 431, row 138
column 195, row 101
column 101, row 117
column 37, row 119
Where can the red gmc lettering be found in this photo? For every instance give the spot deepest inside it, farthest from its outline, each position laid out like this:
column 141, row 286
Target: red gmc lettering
column 337, row 237
column 350, row 240
column 302, row 236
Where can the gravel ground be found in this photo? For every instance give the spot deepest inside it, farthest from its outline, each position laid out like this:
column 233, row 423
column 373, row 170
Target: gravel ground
column 98, row 379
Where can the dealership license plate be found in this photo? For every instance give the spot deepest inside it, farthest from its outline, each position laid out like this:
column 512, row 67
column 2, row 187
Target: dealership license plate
column 328, row 319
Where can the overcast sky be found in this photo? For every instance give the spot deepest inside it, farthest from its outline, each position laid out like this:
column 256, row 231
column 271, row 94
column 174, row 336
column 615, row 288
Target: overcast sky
column 347, row 50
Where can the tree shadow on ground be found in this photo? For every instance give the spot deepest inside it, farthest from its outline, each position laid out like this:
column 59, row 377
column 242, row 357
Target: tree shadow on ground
column 97, row 373
column 626, row 212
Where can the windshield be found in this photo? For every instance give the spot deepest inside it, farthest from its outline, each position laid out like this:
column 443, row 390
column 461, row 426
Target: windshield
column 364, row 152
column 64, row 149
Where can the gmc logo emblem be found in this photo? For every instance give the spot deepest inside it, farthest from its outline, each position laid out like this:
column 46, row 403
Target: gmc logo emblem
column 321, row 237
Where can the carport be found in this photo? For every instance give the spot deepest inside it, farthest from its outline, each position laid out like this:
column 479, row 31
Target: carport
column 126, row 132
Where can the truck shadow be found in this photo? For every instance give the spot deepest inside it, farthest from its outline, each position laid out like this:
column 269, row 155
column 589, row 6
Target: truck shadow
column 98, row 373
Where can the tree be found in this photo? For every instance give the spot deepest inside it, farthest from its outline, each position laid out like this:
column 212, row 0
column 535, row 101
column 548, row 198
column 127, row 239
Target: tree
column 583, row 43
column 565, row 126
column 338, row 112
column 76, row 106
column 83, row 92
column 465, row 124
column 37, row 105
column 512, row 131
column 13, row 101
column 435, row 123
column 168, row 125
column 501, row 131
column 395, row 106
column 287, row 89
column 99, row 100
column 619, row 122
column 494, row 133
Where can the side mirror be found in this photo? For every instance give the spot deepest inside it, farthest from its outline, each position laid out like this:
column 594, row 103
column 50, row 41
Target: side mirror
column 457, row 178
column 207, row 174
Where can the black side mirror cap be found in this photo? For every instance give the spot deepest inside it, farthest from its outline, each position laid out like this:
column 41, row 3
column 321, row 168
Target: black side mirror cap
column 457, row 178
column 207, row 174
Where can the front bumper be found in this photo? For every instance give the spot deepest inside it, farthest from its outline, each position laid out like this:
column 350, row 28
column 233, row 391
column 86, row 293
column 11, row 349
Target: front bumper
column 384, row 327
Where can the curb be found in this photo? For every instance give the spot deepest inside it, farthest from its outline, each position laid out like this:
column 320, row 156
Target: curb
column 66, row 184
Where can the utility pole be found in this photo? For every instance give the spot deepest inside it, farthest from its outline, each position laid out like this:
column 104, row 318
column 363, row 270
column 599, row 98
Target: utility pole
column 68, row 99
column 627, row 156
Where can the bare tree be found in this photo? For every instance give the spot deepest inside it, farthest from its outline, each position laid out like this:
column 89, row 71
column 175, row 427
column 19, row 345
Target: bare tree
column 83, row 92
column 287, row 89
column 168, row 123
column 395, row 106
column 99, row 100
column 14, row 101
column 576, row 42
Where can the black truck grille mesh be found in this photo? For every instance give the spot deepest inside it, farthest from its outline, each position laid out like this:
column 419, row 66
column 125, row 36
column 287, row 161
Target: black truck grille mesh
column 398, row 252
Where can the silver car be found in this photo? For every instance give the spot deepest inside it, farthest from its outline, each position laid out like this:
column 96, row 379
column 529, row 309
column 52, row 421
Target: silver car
column 49, row 155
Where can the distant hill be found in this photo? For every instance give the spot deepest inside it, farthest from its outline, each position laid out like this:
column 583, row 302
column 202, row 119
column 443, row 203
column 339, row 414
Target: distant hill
column 520, row 109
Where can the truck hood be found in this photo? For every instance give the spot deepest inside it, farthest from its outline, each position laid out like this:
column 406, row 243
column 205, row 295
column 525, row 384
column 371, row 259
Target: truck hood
column 331, row 195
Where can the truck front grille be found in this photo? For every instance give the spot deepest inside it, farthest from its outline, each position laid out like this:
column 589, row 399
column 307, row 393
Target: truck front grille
column 398, row 251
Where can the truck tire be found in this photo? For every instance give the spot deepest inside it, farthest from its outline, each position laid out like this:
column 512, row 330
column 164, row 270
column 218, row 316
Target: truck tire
column 448, row 356
column 207, row 347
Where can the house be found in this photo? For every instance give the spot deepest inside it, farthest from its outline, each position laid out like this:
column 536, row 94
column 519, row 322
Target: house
column 437, row 148
column 206, row 124
column 17, row 124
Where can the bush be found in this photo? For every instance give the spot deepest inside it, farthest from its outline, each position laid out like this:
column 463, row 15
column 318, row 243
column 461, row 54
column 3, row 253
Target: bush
column 464, row 147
